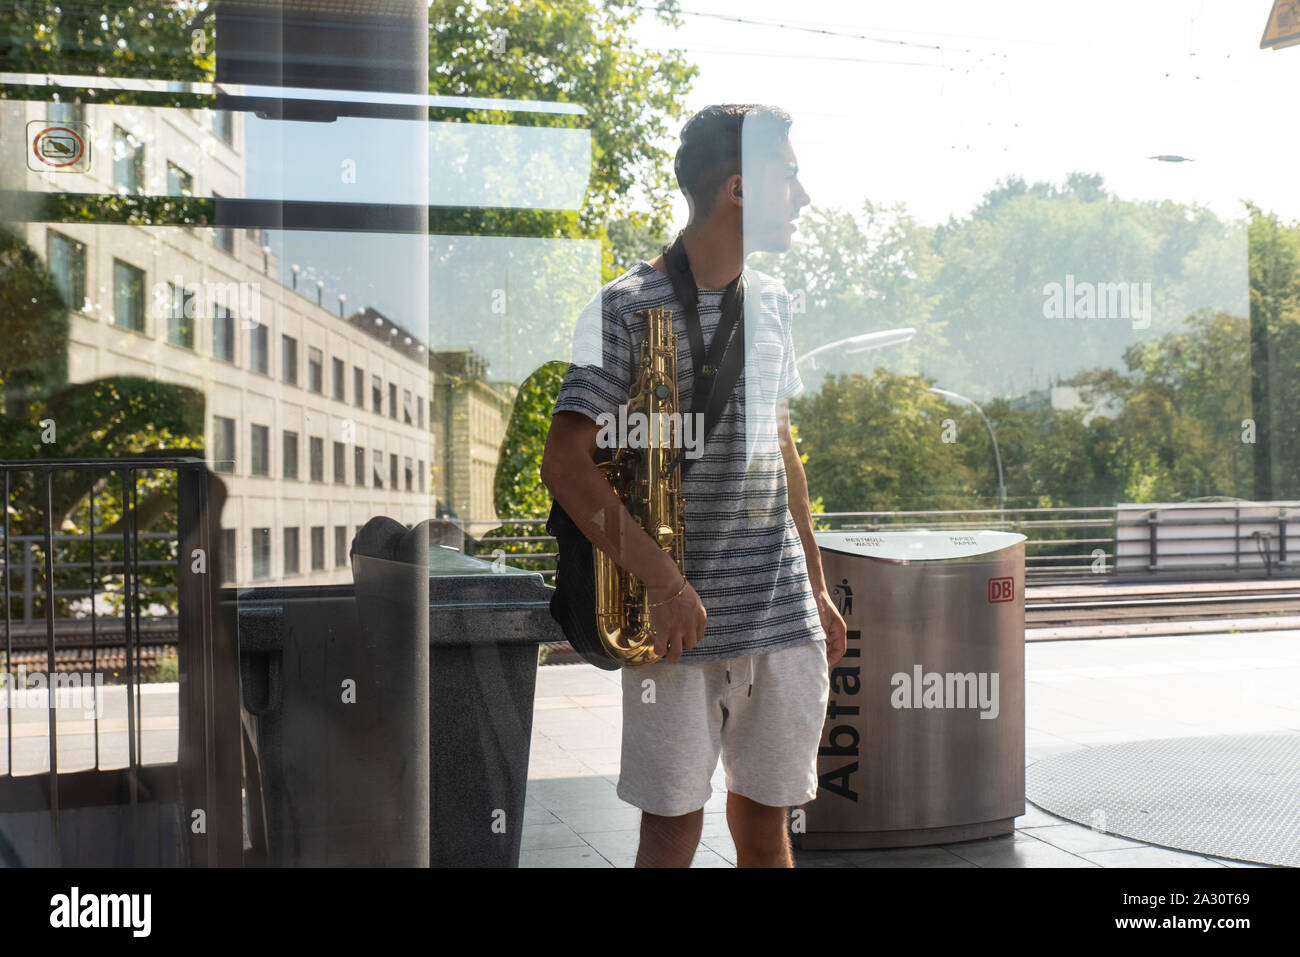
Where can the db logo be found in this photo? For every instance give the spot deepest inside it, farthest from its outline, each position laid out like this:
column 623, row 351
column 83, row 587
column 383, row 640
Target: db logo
column 1002, row 589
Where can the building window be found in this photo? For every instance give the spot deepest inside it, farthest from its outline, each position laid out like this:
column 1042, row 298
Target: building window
column 128, row 296
column 67, row 263
column 392, row 401
column 223, row 125
column 261, row 553
column 340, row 546
column 392, row 471
column 419, row 411
column 289, row 453
column 289, row 359
column 291, row 551
column 258, row 348
column 317, row 547
column 410, row 473
column 377, row 395
column 128, row 162
column 229, row 562
column 359, row 465
column 260, row 450
column 223, row 333
column 223, row 444
column 179, row 182
column 223, row 237
column 420, row 467
column 182, row 307
column 408, row 414
column 316, row 458
column 377, row 463
column 340, row 374
column 340, row 464
column 65, row 112
column 358, row 388
column 315, row 370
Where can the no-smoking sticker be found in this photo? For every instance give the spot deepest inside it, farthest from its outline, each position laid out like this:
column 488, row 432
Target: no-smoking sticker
column 58, row 147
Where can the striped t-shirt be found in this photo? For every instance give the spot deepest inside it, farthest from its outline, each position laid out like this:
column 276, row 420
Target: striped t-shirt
column 743, row 553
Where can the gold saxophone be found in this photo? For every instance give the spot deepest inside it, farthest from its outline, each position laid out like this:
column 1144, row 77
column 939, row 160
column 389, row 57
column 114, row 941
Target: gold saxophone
column 648, row 481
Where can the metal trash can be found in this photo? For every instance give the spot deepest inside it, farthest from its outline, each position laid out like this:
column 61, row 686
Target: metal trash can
column 924, row 740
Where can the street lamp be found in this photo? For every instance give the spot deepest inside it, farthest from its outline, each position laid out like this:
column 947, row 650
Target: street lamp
column 1002, row 489
column 862, row 343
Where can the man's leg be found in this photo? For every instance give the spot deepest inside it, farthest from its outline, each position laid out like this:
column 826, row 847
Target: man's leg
column 672, row 736
column 758, row 831
column 669, row 841
column 777, row 707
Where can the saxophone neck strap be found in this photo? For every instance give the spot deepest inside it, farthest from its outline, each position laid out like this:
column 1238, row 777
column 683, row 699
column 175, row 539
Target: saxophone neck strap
column 716, row 368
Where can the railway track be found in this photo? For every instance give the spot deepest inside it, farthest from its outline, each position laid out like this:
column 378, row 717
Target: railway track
column 1113, row 610
column 1052, row 611
column 1050, row 606
column 76, row 650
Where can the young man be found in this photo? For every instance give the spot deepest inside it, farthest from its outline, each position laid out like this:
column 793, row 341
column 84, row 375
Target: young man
column 749, row 630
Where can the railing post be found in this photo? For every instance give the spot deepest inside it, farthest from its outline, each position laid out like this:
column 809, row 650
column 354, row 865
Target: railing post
column 27, row 580
column 51, row 701
column 1236, row 539
column 1153, row 519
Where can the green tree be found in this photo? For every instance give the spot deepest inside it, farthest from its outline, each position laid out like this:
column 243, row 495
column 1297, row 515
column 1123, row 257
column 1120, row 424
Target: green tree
column 519, row 492
column 525, row 439
column 171, row 40
column 849, row 274
column 33, row 352
column 583, row 52
column 877, row 443
column 1275, row 354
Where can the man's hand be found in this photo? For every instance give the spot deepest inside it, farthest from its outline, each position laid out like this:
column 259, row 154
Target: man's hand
column 679, row 623
column 834, row 627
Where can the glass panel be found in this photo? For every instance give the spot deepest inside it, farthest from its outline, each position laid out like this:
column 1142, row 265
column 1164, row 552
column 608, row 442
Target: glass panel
column 990, row 286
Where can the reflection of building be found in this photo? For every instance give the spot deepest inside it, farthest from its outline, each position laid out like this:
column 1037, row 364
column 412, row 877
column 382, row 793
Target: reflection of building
column 469, row 422
column 317, row 422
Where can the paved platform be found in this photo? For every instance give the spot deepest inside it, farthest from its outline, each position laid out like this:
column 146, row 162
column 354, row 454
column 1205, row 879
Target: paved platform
column 1079, row 694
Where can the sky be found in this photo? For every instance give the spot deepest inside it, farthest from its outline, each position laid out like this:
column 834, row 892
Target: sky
column 928, row 104
column 946, row 97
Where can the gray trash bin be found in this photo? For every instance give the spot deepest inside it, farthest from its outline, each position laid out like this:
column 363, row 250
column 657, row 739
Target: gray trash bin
column 486, row 622
column 341, row 711
column 429, row 763
column 924, row 740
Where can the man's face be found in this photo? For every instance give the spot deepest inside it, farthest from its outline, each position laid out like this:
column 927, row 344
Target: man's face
column 773, row 197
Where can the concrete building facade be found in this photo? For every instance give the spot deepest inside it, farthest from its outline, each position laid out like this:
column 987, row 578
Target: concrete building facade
column 316, row 417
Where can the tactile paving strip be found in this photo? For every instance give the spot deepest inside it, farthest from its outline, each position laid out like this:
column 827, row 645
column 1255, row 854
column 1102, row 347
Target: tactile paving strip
column 1232, row 796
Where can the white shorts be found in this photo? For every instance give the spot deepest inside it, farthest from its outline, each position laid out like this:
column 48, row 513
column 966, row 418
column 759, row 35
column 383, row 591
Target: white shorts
column 763, row 713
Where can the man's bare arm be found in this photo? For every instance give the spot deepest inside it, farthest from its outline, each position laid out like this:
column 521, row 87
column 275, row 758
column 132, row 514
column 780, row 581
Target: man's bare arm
column 796, row 483
column 569, row 472
column 797, row 493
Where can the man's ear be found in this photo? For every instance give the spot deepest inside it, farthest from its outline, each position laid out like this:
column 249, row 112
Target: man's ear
column 733, row 189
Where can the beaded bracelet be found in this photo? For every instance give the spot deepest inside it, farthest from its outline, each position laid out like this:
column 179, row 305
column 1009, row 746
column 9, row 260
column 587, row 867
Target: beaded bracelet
column 656, row 604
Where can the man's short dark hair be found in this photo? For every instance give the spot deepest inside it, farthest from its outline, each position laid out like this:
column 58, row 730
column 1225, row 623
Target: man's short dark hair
column 711, row 146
